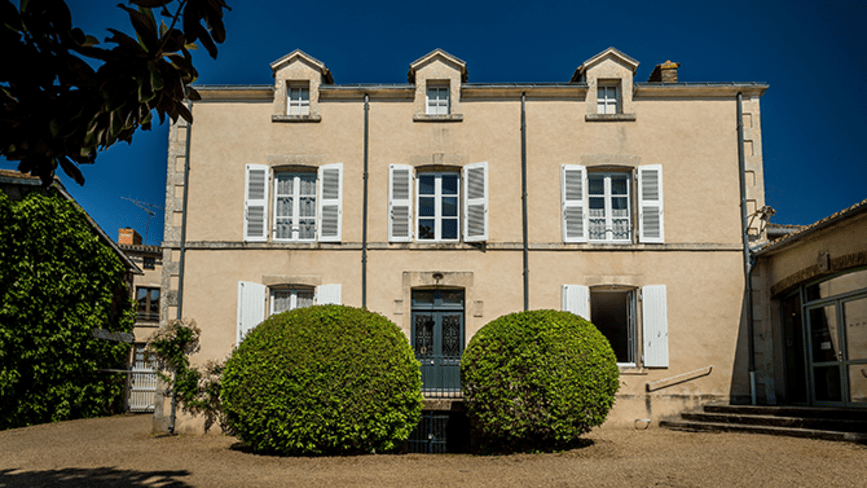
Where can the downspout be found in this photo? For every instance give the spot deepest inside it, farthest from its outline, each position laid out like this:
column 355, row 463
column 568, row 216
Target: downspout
column 524, row 199
column 364, row 211
column 748, row 262
column 183, row 252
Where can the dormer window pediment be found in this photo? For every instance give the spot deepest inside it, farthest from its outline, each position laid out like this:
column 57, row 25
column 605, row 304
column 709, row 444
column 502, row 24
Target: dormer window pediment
column 437, row 77
column 297, row 77
column 609, row 78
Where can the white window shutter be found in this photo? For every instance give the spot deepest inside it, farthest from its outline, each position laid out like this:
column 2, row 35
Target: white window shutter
column 400, row 203
column 330, row 202
column 251, row 307
column 573, row 198
column 576, row 299
column 256, row 203
column 650, row 225
column 328, row 294
column 475, row 202
column 654, row 318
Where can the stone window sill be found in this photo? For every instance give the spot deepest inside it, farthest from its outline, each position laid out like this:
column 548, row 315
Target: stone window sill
column 296, row 118
column 438, row 118
column 610, row 118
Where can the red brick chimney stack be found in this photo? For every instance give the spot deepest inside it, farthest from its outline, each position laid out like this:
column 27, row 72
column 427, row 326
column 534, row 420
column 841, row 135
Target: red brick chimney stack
column 664, row 73
column 128, row 236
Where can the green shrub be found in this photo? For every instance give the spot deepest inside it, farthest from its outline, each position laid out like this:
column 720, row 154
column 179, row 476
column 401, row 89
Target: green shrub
column 537, row 380
column 58, row 282
column 323, row 380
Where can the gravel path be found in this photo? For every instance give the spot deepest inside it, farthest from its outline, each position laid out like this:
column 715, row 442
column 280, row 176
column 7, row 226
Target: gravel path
column 120, row 452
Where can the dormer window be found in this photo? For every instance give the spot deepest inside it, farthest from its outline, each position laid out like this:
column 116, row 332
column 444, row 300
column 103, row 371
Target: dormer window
column 298, row 99
column 607, row 99
column 437, row 98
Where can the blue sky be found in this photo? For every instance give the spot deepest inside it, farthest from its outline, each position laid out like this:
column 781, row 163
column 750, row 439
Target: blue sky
column 813, row 114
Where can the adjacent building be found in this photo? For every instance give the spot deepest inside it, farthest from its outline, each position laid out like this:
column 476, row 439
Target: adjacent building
column 444, row 204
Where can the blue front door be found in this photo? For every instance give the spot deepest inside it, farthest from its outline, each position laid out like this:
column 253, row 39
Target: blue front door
column 438, row 338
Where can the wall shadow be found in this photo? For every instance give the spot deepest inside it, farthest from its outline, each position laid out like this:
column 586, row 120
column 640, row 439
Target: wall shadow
column 739, row 392
column 102, row 477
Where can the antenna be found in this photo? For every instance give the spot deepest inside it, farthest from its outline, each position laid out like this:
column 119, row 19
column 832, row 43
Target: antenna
column 148, row 208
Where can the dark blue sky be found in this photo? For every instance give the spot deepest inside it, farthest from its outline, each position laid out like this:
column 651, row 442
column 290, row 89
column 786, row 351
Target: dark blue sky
column 810, row 53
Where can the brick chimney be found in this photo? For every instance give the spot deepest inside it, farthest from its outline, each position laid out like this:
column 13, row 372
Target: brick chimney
column 664, row 73
column 128, row 236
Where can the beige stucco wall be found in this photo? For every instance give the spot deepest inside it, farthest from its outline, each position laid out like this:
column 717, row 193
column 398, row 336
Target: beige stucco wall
column 693, row 138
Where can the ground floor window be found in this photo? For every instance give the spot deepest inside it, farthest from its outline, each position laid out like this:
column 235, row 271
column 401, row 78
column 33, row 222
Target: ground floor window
column 438, row 338
column 613, row 313
column 290, row 298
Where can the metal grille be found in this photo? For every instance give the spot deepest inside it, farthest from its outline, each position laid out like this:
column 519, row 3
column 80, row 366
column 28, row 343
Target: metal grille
column 429, row 436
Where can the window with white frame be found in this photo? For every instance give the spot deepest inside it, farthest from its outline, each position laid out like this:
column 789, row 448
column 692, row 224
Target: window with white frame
column 253, row 300
column 598, row 206
column 607, row 98
column 615, row 312
column 437, row 100
column 450, row 205
column 284, row 299
column 306, row 206
column 297, row 99
column 438, row 196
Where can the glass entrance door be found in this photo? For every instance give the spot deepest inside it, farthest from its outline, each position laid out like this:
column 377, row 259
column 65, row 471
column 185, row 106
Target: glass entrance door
column 838, row 351
column 438, row 338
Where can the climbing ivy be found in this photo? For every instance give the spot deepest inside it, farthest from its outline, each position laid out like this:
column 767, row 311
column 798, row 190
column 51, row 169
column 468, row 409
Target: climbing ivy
column 58, row 282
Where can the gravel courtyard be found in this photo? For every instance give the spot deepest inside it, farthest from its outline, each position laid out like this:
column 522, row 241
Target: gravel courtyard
column 121, row 452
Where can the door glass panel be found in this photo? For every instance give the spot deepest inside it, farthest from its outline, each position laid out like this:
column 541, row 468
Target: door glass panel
column 827, row 380
column 452, row 339
column 823, row 331
column 858, row 383
column 855, row 318
column 453, row 297
column 424, row 335
column 422, row 298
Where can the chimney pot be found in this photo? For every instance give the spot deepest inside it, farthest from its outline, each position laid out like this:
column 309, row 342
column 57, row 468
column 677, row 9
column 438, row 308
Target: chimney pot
column 128, row 236
column 664, row 73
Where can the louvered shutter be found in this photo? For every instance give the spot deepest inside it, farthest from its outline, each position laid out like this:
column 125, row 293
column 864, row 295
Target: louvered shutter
column 576, row 299
column 251, row 307
column 475, row 202
column 650, row 225
column 654, row 319
column 330, row 202
column 573, row 198
column 400, row 203
column 256, row 203
column 328, row 294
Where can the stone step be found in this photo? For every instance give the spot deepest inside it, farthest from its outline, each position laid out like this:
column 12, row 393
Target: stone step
column 693, row 426
column 812, row 423
column 789, row 411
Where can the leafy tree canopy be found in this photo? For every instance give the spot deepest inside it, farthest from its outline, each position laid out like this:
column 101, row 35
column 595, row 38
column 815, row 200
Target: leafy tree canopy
column 58, row 110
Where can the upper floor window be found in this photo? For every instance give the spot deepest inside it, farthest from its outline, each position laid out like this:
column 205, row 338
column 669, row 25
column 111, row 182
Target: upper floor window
column 437, row 99
column 607, row 99
column 450, row 204
column 599, row 207
column 307, row 206
column 609, row 207
column 148, row 303
column 149, row 262
column 298, row 99
column 438, row 195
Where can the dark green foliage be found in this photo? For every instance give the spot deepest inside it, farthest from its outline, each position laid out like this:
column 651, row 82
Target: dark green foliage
column 538, row 380
column 60, row 111
column 58, row 282
column 323, row 380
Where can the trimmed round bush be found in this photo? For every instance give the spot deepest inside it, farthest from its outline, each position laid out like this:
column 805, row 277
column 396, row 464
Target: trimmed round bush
column 538, row 380
column 326, row 379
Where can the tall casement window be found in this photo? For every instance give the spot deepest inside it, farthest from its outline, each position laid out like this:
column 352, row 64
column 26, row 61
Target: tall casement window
column 449, row 204
column 297, row 99
column 598, row 206
column 306, row 206
column 148, row 303
column 295, row 207
column 256, row 301
column 437, row 99
column 438, row 195
column 615, row 312
column 607, row 99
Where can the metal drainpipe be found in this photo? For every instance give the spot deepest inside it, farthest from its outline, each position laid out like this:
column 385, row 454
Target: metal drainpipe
column 524, row 199
column 172, row 415
column 364, row 211
column 748, row 263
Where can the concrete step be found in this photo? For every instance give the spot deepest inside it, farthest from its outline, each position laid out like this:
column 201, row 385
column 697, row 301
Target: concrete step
column 811, row 423
column 693, row 426
column 790, row 411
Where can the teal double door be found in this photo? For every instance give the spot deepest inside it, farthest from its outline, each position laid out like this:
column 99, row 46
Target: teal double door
column 438, row 338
